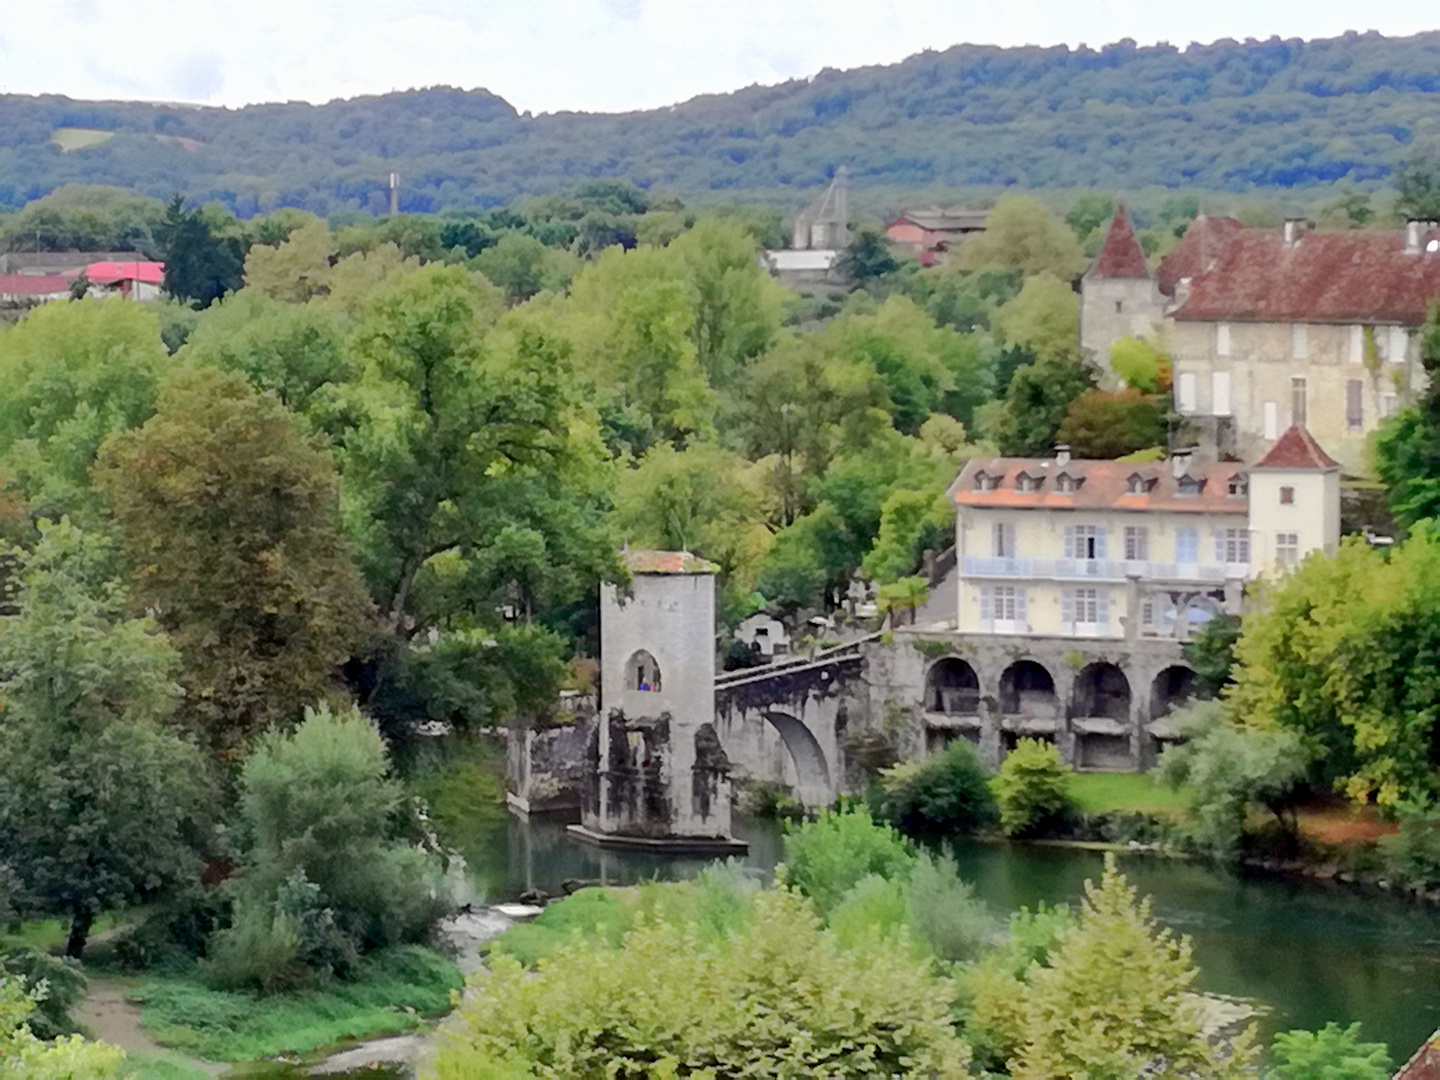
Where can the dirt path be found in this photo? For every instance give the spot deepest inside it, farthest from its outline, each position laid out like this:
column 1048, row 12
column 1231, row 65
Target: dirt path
column 114, row 1019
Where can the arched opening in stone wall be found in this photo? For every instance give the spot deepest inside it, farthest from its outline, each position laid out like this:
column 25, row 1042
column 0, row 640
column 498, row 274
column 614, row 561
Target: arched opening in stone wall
column 1028, row 704
column 953, row 688
column 642, row 672
column 812, row 774
column 1026, row 689
column 1100, row 718
column 1196, row 611
column 1101, row 690
column 1172, row 688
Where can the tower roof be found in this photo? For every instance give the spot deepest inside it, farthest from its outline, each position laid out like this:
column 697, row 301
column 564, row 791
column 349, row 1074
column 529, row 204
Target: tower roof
column 645, row 561
column 1296, row 449
column 1120, row 256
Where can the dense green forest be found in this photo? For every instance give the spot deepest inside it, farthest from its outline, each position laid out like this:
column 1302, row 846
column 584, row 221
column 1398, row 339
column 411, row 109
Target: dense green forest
column 1228, row 116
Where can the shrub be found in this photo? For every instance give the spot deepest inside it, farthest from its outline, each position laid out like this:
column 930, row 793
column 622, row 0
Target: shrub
column 1032, row 789
column 781, row 999
column 1411, row 857
column 328, row 876
column 945, row 793
column 63, row 985
column 593, row 914
column 996, row 986
column 827, row 857
column 1227, row 766
column 945, row 913
column 1332, row 1053
column 25, row 1056
column 875, row 912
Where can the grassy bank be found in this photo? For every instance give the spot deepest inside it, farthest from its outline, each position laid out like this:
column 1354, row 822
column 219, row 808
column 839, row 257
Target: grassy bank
column 397, row 991
column 1135, row 793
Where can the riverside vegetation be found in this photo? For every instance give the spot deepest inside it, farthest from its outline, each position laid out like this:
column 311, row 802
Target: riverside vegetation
column 255, row 540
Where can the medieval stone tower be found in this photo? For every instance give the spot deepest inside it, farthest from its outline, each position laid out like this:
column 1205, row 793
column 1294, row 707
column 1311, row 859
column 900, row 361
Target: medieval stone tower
column 659, row 772
column 1119, row 296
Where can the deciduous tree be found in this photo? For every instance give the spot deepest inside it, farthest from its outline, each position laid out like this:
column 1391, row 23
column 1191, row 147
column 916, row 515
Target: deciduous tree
column 230, row 519
column 98, row 803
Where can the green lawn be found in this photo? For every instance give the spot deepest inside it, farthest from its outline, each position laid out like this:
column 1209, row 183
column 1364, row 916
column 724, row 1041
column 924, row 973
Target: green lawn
column 398, row 990
column 48, row 935
column 1138, row 793
column 79, row 138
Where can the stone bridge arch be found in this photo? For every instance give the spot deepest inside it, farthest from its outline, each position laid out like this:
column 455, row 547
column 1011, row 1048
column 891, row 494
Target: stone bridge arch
column 812, row 773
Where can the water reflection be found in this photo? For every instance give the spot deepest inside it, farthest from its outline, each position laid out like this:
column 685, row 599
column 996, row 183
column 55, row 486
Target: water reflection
column 1313, row 952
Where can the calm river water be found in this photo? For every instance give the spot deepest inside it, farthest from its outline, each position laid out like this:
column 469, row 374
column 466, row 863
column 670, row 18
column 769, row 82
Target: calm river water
column 1311, row 952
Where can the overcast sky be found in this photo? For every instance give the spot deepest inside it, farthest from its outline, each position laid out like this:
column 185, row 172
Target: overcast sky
column 547, row 55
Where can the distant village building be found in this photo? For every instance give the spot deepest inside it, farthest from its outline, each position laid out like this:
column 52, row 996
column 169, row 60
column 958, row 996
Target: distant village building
column 45, row 276
column 1270, row 328
column 930, row 233
column 818, row 236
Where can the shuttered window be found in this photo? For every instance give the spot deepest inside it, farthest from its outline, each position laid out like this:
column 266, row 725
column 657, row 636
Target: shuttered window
column 1355, row 405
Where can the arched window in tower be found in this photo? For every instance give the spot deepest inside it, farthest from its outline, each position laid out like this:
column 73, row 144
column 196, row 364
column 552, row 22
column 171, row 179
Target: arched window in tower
column 642, row 672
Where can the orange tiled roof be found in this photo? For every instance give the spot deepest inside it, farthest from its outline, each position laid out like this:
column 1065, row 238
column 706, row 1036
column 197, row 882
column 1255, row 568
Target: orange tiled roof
column 643, row 561
column 1103, row 485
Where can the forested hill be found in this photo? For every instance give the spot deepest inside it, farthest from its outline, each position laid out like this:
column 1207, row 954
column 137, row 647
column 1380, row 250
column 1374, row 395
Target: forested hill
column 1225, row 116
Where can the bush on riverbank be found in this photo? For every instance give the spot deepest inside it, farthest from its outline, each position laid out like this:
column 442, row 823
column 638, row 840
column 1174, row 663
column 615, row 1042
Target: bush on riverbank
column 782, row 997
column 828, row 857
column 328, row 876
column 944, row 794
column 1032, row 789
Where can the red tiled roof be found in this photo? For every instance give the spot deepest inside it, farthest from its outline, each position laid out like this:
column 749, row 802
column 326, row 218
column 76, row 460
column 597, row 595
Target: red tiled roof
column 1359, row 275
column 106, row 273
column 33, row 284
column 1425, row 1065
column 1105, row 486
column 1197, row 250
column 1120, row 256
column 639, row 561
column 1296, row 449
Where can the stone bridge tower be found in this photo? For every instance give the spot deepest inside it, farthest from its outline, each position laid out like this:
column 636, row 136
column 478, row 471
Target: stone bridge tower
column 656, row 774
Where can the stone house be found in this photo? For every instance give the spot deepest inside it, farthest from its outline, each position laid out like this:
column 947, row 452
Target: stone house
column 1078, row 583
column 1270, row 328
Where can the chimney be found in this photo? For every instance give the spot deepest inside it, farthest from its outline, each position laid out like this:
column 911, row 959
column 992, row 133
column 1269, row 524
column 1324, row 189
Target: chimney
column 394, row 193
column 1294, row 229
column 1415, row 230
column 1062, row 454
column 1180, row 459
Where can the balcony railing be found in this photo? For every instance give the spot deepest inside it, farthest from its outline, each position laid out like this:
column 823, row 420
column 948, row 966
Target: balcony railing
column 1103, row 569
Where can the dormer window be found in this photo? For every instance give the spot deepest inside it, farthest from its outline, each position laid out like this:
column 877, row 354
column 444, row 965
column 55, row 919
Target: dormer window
column 986, row 481
column 1067, row 484
column 1190, row 486
column 1238, row 486
column 1139, row 484
column 1027, row 483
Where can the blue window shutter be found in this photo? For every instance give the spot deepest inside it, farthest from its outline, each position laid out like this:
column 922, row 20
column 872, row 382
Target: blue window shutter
column 985, row 619
column 1020, row 615
column 1069, row 541
column 1102, row 611
column 1187, row 545
column 1067, row 609
column 1100, row 544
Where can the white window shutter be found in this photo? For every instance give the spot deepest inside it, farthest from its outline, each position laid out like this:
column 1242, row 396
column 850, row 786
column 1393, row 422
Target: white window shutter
column 1220, row 393
column 1021, row 616
column 1069, row 541
column 986, row 620
column 1100, row 544
column 1067, row 609
column 1357, row 344
column 1272, row 420
column 1102, row 611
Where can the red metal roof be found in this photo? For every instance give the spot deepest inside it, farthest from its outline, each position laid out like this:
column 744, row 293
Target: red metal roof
column 107, row 273
column 33, row 284
column 1104, row 485
column 1197, row 250
column 1120, row 256
column 639, row 561
column 1296, row 449
column 1354, row 276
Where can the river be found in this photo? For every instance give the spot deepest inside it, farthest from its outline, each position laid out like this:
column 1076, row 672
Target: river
column 1309, row 951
